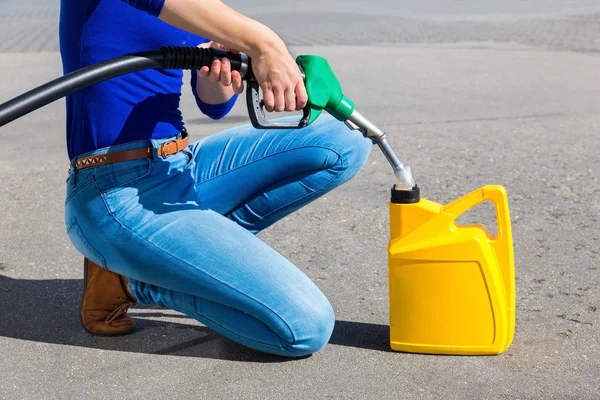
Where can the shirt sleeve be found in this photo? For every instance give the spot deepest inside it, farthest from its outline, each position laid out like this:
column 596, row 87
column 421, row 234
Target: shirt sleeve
column 214, row 111
column 152, row 7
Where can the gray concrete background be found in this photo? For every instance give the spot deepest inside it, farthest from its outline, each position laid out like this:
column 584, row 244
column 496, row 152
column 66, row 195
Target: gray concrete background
column 30, row 25
column 467, row 101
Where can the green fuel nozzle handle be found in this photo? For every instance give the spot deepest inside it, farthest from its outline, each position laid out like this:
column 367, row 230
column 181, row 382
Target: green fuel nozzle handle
column 324, row 93
column 323, row 89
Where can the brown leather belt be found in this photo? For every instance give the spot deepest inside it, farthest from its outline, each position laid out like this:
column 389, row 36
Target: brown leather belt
column 166, row 149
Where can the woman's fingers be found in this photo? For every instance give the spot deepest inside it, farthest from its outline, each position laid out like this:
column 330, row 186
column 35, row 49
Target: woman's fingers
column 236, row 82
column 268, row 96
column 277, row 99
column 203, row 72
column 225, row 72
column 215, row 71
column 279, row 94
column 290, row 100
column 301, row 95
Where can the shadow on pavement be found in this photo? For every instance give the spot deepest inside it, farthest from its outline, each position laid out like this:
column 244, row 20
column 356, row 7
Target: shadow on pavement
column 48, row 311
column 362, row 335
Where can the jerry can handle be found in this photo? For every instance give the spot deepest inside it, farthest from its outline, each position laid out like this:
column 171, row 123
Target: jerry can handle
column 497, row 195
column 502, row 242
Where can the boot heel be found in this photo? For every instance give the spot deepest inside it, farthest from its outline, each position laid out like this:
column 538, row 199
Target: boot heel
column 104, row 302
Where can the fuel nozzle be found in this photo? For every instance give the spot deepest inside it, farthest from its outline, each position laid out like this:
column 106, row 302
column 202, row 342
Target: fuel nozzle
column 402, row 172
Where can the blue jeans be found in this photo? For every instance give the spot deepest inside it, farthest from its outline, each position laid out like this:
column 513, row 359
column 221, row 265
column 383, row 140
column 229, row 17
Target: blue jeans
column 182, row 228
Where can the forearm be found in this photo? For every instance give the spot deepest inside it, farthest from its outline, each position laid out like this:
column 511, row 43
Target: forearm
column 273, row 66
column 216, row 21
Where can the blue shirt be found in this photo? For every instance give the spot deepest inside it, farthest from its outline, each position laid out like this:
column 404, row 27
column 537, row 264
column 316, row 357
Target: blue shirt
column 140, row 105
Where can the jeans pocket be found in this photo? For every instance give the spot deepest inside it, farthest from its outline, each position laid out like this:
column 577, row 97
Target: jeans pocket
column 83, row 245
column 114, row 177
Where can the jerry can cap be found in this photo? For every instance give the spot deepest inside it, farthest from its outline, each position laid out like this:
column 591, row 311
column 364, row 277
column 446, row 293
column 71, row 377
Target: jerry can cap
column 409, row 196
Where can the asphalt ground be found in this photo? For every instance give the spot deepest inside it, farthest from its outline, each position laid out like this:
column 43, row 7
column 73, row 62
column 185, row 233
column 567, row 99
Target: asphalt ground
column 463, row 112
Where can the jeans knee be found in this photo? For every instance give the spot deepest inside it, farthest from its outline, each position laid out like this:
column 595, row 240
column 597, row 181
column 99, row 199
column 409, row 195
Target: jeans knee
column 312, row 331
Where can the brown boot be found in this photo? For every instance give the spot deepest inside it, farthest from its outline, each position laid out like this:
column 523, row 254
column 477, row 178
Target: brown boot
column 105, row 302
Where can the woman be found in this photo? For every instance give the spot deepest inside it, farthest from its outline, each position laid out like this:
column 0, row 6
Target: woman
column 168, row 223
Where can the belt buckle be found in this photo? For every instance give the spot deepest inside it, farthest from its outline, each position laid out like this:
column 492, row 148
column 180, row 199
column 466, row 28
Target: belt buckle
column 164, row 148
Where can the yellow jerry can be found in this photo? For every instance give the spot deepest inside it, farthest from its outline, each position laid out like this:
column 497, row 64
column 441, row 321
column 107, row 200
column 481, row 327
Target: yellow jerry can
column 452, row 288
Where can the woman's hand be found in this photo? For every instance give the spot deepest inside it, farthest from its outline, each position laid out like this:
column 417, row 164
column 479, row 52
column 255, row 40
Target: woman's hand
column 275, row 70
column 218, row 83
column 280, row 79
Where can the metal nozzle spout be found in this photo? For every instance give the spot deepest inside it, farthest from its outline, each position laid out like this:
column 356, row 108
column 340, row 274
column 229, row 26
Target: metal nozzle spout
column 369, row 130
column 402, row 172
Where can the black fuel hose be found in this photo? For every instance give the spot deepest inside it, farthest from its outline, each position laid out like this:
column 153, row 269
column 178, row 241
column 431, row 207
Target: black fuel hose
column 168, row 57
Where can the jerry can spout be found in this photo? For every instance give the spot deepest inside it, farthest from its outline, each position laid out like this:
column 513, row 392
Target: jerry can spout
column 408, row 211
